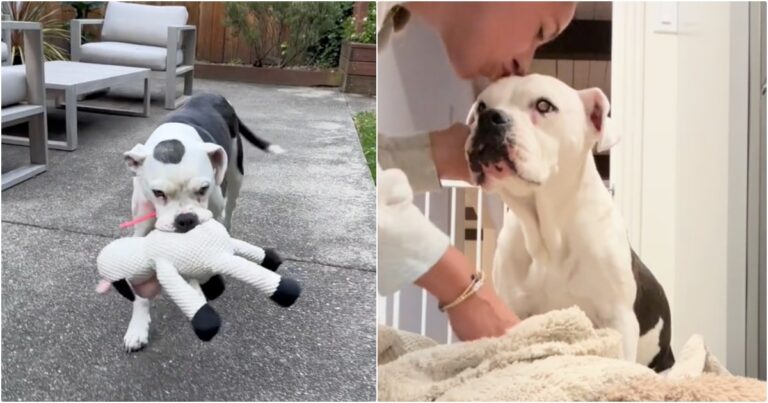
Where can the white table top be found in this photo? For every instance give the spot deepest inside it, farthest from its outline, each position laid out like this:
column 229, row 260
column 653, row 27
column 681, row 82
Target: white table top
column 60, row 74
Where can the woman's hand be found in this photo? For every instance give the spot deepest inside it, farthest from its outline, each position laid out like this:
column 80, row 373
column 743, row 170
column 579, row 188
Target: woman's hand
column 448, row 152
column 482, row 314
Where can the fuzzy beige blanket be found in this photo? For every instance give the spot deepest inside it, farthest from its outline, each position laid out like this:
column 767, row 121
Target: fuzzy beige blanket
column 557, row 356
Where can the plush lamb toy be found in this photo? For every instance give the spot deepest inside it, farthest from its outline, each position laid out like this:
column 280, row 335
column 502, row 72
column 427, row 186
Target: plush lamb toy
column 182, row 262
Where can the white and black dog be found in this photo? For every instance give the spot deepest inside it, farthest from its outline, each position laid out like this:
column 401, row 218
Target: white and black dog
column 563, row 242
column 189, row 170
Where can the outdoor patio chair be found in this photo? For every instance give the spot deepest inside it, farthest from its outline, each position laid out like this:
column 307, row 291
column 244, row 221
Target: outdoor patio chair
column 137, row 35
column 6, row 41
column 6, row 53
column 23, row 99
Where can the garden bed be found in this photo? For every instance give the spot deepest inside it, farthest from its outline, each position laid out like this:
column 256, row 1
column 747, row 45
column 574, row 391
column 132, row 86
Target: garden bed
column 358, row 67
column 268, row 75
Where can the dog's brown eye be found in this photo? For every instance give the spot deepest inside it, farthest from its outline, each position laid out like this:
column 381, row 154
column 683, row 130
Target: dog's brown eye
column 203, row 190
column 480, row 107
column 159, row 194
column 543, row 106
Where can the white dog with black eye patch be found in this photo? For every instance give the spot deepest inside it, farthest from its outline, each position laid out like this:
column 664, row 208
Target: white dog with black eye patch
column 189, row 171
column 563, row 242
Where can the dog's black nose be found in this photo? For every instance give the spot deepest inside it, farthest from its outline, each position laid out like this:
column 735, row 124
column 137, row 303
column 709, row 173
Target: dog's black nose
column 492, row 128
column 185, row 222
column 491, row 139
column 492, row 119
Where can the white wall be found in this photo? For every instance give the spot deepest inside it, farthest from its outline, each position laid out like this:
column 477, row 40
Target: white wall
column 711, row 173
column 682, row 173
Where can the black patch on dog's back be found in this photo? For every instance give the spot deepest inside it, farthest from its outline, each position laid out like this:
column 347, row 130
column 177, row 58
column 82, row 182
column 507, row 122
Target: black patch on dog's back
column 169, row 151
column 650, row 306
column 212, row 116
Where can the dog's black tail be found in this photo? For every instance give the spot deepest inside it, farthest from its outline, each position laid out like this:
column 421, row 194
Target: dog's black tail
column 260, row 143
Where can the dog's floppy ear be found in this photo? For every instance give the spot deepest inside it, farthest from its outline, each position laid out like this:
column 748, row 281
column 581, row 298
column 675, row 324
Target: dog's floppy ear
column 135, row 157
column 471, row 114
column 596, row 106
column 218, row 160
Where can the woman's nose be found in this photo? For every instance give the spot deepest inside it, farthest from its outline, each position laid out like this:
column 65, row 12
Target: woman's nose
column 522, row 62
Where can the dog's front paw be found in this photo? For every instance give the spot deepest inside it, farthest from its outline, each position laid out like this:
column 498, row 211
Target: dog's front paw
column 136, row 338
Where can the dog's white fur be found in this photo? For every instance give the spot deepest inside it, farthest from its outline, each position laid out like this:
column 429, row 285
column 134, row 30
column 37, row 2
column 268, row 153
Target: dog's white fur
column 563, row 242
column 203, row 164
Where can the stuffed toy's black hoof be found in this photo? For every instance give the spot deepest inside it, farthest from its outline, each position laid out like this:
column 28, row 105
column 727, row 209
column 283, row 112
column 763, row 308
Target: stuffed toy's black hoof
column 271, row 260
column 287, row 292
column 213, row 288
column 124, row 289
column 206, row 323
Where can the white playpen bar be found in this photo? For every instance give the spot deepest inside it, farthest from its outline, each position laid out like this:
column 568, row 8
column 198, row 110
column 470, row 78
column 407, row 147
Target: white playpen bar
column 457, row 191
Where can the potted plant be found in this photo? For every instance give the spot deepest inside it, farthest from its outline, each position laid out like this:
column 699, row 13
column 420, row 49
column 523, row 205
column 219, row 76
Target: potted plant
column 55, row 32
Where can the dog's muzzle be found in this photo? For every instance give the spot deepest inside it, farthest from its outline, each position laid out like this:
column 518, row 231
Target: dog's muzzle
column 185, row 222
column 490, row 143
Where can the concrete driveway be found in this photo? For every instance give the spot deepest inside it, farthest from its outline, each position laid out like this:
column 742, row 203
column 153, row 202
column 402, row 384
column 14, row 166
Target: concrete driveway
column 315, row 204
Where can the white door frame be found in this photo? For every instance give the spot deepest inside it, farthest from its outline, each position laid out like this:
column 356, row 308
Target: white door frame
column 627, row 83
column 755, row 295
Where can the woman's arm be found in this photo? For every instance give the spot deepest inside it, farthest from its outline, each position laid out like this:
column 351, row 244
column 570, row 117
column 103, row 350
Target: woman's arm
column 483, row 314
column 428, row 157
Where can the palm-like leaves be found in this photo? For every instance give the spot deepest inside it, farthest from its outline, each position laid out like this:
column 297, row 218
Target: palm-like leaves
column 54, row 31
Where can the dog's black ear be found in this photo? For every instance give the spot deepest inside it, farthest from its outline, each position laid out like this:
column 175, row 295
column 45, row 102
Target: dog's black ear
column 597, row 108
column 135, row 157
column 219, row 160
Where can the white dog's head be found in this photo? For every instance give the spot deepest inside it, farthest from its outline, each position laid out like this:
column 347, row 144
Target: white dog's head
column 524, row 130
column 178, row 176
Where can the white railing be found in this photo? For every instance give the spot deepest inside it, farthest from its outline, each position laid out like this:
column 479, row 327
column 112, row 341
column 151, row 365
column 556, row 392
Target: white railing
column 412, row 308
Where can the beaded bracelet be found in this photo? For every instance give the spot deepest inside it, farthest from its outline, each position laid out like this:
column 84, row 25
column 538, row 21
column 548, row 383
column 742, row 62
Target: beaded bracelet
column 474, row 286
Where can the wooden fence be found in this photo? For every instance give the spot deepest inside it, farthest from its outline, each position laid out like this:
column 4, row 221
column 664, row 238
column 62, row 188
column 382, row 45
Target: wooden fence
column 215, row 42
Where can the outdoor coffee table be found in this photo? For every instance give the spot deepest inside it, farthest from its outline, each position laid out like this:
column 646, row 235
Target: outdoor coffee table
column 72, row 79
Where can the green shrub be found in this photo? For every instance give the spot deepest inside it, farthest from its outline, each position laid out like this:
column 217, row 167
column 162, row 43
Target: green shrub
column 365, row 122
column 83, row 8
column 82, row 11
column 369, row 27
column 328, row 49
column 282, row 33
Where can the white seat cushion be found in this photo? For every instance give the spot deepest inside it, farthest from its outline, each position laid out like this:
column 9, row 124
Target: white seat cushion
column 141, row 24
column 126, row 54
column 5, row 52
column 14, row 84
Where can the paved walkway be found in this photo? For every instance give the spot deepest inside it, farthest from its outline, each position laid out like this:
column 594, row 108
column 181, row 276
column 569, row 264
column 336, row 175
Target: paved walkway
column 316, row 204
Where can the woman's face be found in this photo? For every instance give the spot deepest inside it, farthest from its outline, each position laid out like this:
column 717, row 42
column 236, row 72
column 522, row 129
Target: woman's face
column 491, row 39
